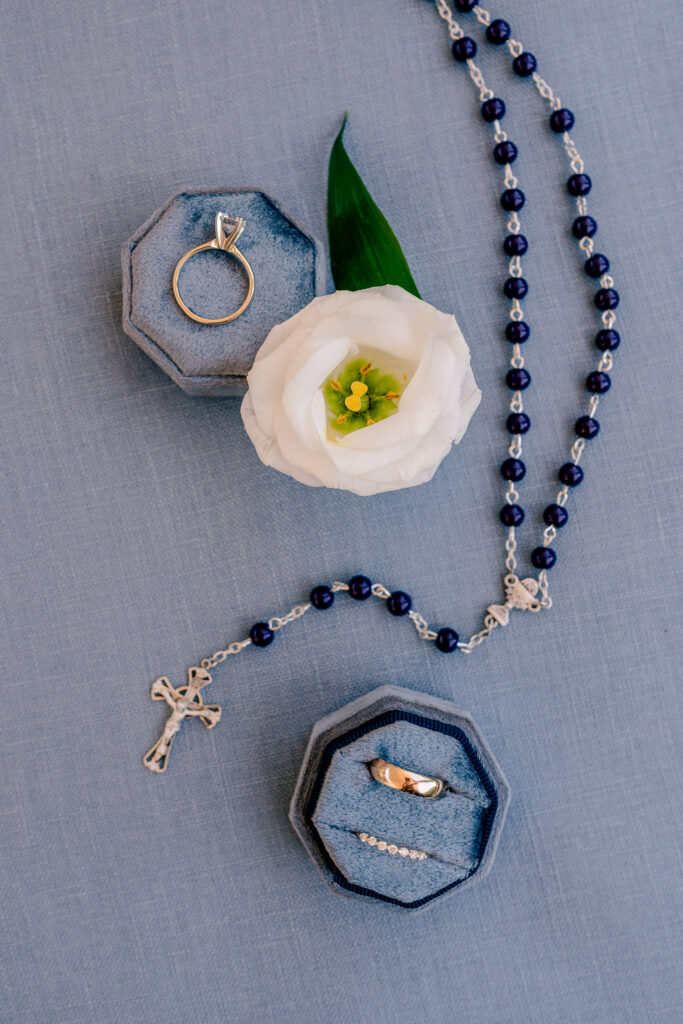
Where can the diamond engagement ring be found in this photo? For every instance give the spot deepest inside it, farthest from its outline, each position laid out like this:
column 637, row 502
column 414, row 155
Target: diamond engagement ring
column 228, row 231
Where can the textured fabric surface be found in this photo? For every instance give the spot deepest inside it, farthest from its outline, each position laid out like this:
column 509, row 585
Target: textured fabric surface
column 282, row 257
column 140, row 531
column 449, row 829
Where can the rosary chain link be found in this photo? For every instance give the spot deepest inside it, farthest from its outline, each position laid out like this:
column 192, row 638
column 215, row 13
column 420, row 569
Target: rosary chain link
column 478, row 79
column 220, row 656
column 546, row 600
column 482, row 15
column 277, row 622
column 454, row 30
column 422, row 626
column 467, row 646
column 511, row 547
column 516, row 404
column 577, row 449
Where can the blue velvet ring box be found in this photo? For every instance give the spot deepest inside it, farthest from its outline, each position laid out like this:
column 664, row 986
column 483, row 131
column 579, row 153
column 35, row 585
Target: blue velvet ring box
column 336, row 798
column 289, row 271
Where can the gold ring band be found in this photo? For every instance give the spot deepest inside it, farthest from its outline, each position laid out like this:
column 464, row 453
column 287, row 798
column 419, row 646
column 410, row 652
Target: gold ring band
column 224, row 243
column 404, row 780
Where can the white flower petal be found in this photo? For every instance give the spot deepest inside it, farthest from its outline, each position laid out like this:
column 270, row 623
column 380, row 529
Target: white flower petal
column 285, row 414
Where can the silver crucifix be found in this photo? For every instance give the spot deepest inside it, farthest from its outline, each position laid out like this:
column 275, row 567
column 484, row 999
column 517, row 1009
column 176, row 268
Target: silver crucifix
column 185, row 702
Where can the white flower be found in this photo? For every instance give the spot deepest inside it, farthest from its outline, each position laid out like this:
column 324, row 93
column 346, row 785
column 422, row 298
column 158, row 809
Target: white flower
column 364, row 391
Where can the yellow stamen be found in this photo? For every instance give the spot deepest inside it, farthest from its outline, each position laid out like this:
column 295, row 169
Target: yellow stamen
column 365, row 369
column 392, row 395
column 335, row 385
column 341, row 418
column 369, row 421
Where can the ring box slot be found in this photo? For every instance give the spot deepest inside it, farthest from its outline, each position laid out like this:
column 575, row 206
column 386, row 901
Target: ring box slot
column 336, row 798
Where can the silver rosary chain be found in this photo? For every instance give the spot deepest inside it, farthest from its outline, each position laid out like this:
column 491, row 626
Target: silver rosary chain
column 515, row 48
column 530, row 594
column 276, row 622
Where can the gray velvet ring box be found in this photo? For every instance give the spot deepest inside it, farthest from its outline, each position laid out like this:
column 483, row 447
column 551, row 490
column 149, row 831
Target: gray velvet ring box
column 336, row 798
column 289, row 271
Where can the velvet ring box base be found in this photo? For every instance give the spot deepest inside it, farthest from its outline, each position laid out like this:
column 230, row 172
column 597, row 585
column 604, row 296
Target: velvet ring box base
column 213, row 359
column 336, row 799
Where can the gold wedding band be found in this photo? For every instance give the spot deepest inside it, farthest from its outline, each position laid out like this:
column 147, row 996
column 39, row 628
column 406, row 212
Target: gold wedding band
column 404, row 780
column 224, row 243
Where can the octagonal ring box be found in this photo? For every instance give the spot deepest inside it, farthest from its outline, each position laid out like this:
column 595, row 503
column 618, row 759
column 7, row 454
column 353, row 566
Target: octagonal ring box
column 213, row 359
column 336, row 798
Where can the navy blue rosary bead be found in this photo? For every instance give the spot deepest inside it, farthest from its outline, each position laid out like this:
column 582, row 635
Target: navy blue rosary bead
column 464, row 49
column 570, row 474
column 513, row 469
column 584, row 227
column 587, row 427
column 598, row 383
column 517, row 332
column 515, row 245
column 322, row 597
column 465, row 5
column 399, row 603
column 561, row 120
column 607, row 341
column 555, row 515
column 360, row 587
column 596, row 265
column 498, row 32
column 446, row 640
column 543, row 558
column 579, row 185
column 515, row 287
column 493, row 110
column 261, row 634
column 524, row 65
column 518, row 379
column 512, row 199
column 505, row 152
column 518, row 423
column 512, row 515
column 606, row 298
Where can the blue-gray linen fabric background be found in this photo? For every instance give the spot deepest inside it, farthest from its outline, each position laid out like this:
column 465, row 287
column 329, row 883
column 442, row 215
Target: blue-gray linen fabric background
column 140, row 531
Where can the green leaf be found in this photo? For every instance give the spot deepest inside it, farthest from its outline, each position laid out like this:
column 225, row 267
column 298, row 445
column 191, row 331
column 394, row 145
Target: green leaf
column 364, row 251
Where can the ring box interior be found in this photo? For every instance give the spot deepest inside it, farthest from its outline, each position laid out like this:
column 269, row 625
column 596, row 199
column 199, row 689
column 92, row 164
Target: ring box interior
column 336, row 798
column 214, row 359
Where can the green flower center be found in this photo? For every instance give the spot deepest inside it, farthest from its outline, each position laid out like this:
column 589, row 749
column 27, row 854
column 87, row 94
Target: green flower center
column 359, row 396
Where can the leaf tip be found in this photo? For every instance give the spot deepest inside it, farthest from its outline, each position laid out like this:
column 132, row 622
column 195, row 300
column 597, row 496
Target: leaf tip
column 343, row 126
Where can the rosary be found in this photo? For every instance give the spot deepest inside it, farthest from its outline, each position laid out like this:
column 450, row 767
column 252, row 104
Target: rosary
column 529, row 594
